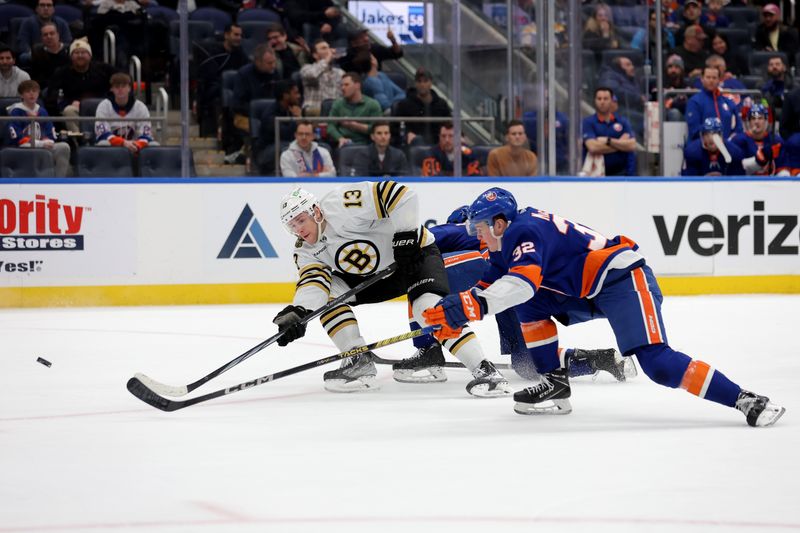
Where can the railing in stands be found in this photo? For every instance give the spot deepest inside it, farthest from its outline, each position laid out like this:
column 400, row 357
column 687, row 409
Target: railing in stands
column 109, row 48
column 162, row 109
column 135, row 69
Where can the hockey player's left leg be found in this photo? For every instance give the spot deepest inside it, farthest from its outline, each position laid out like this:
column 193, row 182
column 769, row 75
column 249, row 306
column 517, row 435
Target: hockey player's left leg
column 548, row 397
column 356, row 374
column 427, row 363
column 601, row 360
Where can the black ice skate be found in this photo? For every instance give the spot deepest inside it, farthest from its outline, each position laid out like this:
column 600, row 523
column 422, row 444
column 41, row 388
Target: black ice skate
column 355, row 374
column 609, row 360
column 488, row 382
column 760, row 412
column 429, row 361
column 549, row 397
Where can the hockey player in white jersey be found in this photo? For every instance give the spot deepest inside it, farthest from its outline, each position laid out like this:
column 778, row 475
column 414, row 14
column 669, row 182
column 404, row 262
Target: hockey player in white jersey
column 357, row 230
column 109, row 130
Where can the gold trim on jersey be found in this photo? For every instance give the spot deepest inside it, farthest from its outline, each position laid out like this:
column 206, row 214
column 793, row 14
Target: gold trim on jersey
column 331, row 315
column 379, row 209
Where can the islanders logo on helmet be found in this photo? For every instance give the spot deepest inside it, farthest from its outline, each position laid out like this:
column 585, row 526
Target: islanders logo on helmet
column 758, row 110
column 712, row 125
column 491, row 196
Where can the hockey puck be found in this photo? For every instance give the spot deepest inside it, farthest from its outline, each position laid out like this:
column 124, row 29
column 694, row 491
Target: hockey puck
column 45, row 362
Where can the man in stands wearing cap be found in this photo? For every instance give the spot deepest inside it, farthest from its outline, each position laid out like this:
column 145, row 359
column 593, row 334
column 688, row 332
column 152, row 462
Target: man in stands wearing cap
column 761, row 149
column 421, row 101
column 772, row 36
column 711, row 154
column 675, row 104
column 709, row 102
column 693, row 51
column 358, row 40
column 686, row 17
column 82, row 78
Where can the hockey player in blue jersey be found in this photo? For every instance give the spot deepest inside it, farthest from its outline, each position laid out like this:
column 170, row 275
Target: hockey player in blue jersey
column 543, row 265
column 465, row 259
column 711, row 154
column 760, row 149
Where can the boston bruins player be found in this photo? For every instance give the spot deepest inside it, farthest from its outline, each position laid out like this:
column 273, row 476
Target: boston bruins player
column 357, row 230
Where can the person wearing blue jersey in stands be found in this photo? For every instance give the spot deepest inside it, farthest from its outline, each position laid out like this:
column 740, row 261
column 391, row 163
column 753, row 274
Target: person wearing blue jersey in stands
column 712, row 154
column 543, row 265
column 610, row 135
column 762, row 152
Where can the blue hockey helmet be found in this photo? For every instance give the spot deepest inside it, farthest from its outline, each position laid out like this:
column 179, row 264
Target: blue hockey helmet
column 712, row 125
column 459, row 216
column 492, row 203
column 758, row 110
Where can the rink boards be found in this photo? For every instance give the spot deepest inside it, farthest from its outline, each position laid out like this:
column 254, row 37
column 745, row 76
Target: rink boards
column 167, row 241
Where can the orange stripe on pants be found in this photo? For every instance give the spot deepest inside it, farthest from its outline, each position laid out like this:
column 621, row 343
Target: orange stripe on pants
column 695, row 377
column 649, row 314
column 542, row 330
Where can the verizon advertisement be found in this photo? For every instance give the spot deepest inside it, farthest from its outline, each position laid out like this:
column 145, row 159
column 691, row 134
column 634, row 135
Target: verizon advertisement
column 109, row 234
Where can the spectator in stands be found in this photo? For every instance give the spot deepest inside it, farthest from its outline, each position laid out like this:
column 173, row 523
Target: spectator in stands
column 353, row 103
column 82, row 78
column 304, row 157
column 515, row 158
column 10, row 74
column 254, row 80
column 693, row 51
column 760, row 149
column 127, row 19
column 48, row 55
column 685, row 17
column 287, row 95
column 772, row 36
column 778, row 83
column 422, row 101
column 441, row 158
column 621, row 77
column 675, row 104
column 30, row 31
column 703, row 156
column 322, row 80
column 710, row 103
column 713, row 17
column 599, row 32
column 314, row 19
column 377, row 84
column 109, row 131
column 790, row 116
column 382, row 160
column 43, row 134
column 610, row 135
column 214, row 58
column 727, row 80
column 291, row 56
column 736, row 64
column 358, row 40
column 647, row 37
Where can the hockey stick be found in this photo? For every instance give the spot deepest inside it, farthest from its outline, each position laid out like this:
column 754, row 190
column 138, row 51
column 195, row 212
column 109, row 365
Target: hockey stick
column 447, row 364
column 170, row 390
column 147, row 395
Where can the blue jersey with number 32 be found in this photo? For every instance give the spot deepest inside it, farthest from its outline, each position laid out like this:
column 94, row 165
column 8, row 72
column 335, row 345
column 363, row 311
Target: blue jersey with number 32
column 551, row 252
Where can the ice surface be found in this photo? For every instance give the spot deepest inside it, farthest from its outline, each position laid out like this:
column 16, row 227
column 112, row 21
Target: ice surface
column 79, row 453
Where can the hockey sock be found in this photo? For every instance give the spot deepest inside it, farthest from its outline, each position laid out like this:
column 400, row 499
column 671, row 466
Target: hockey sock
column 704, row 381
column 541, row 340
column 419, row 342
column 466, row 348
column 342, row 327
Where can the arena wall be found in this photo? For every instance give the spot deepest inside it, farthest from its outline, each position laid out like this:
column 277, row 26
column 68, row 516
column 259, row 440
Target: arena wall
column 209, row 241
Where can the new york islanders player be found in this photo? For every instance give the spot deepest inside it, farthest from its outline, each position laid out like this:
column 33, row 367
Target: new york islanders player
column 761, row 150
column 708, row 155
column 551, row 266
column 466, row 260
column 357, row 230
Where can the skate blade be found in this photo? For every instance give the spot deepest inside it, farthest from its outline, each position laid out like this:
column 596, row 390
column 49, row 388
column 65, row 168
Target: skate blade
column 770, row 415
column 629, row 368
column 552, row 407
column 482, row 390
column 435, row 374
column 362, row 384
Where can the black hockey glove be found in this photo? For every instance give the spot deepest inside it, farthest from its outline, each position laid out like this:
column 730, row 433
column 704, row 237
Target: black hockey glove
column 407, row 253
column 289, row 322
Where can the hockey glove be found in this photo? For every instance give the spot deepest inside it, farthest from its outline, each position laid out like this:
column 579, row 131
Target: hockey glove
column 290, row 324
column 455, row 310
column 407, row 253
column 764, row 155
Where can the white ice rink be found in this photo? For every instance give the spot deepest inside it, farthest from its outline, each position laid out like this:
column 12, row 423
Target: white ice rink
column 79, row 453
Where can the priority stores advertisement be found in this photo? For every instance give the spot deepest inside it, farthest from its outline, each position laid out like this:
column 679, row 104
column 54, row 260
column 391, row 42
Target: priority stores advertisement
column 190, row 232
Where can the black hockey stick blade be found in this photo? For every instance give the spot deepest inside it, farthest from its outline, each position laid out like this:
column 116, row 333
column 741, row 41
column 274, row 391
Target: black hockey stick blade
column 150, row 397
column 176, row 391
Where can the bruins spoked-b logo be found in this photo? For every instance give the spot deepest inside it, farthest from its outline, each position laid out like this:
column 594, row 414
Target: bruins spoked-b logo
column 358, row 257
